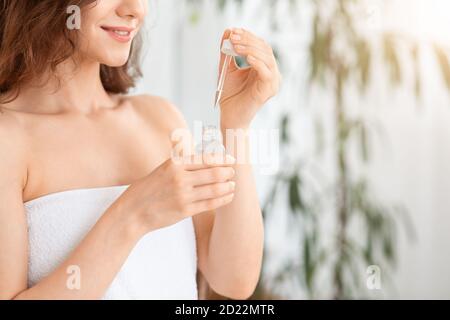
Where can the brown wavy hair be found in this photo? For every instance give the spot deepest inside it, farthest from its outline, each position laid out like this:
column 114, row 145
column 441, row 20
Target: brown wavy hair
column 34, row 37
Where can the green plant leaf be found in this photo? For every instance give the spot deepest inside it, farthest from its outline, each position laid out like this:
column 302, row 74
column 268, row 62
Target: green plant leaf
column 391, row 59
column 295, row 197
column 363, row 52
column 364, row 143
column 443, row 60
column 415, row 55
column 285, row 129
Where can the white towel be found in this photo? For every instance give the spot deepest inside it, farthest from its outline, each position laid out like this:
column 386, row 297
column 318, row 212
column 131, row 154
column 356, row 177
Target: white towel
column 163, row 264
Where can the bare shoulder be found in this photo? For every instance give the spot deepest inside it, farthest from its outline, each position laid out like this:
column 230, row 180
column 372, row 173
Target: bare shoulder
column 158, row 111
column 13, row 151
column 162, row 115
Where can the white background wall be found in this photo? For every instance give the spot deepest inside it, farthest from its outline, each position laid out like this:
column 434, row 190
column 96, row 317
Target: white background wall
column 411, row 166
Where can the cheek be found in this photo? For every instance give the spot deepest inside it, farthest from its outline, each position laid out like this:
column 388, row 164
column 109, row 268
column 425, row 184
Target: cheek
column 90, row 37
column 146, row 7
column 87, row 40
column 91, row 17
column 87, row 31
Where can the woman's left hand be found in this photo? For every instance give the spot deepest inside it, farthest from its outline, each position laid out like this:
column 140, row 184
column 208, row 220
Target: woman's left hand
column 247, row 90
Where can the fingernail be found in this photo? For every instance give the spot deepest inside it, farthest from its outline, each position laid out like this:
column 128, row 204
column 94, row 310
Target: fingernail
column 232, row 185
column 236, row 37
column 230, row 159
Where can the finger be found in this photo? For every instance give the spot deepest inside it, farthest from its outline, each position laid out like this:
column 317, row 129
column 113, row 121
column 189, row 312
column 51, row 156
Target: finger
column 209, row 205
column 210, row 176
column 264, row 73
column 212, row 191
column 203, row 161
column 269, row 61
column 246, row 38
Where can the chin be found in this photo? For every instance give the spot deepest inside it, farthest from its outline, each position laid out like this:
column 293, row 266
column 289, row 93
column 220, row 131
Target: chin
column 112, row 56
column 117, row 61
column 107, row 51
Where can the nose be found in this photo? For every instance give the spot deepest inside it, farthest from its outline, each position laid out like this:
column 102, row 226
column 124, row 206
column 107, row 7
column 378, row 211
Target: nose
column 132, row 9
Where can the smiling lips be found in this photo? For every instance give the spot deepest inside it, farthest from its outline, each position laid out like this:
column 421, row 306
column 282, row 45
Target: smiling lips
column 121, row 34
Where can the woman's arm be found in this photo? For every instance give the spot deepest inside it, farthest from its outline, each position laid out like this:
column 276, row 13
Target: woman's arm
column 231, row 242
column 99, row 256
column 237, row 237
column 13, row 229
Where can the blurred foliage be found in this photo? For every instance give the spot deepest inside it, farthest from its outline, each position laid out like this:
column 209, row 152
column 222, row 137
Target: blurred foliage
column 340, row 57
column 444, row 61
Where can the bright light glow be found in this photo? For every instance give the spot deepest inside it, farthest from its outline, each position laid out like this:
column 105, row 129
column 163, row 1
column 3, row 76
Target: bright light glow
column 434, row 19
column 423, row 19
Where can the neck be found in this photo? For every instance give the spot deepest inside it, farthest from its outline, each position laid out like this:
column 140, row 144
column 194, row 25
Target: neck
column 79, row 90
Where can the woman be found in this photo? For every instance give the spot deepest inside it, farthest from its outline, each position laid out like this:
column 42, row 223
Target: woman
column 91, row 203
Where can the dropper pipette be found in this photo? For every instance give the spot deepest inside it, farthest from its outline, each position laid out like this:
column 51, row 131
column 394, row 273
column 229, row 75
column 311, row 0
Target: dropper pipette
column 222, row 77
column 228, row 50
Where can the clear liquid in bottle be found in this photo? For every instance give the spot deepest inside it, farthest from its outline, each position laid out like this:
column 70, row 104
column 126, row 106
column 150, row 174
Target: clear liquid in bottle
column 211, row 141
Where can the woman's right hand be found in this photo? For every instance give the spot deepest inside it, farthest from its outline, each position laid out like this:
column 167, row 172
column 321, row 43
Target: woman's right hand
column 179, row 189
